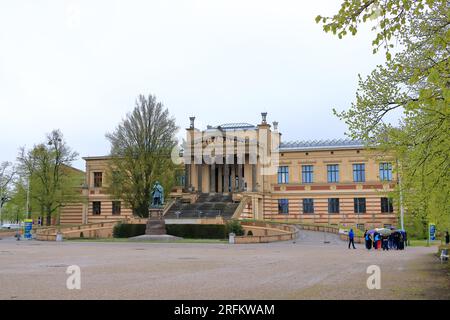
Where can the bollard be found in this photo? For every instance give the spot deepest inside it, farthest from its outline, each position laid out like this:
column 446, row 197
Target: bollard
column 59, row 237
column 232, row 238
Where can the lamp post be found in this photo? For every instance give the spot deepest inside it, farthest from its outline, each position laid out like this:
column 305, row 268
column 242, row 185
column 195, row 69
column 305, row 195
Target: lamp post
column 402, row 209
column 2, row 199
column 28, row 198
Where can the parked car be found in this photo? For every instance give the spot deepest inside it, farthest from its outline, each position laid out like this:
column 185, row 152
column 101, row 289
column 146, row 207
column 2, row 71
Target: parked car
column 10, row 226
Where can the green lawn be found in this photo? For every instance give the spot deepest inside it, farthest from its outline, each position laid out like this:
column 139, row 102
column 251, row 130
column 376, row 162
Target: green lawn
column 116, row 240
column 423, row 243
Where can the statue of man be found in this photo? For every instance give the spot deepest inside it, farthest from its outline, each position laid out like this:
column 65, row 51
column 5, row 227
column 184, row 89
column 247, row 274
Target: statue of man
column 157, row 194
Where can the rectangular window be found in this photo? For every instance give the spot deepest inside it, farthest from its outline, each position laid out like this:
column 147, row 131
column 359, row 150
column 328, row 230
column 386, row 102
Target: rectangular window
column 98, row 179
column 359, row 205
column 116, row 207
column 333, row 205
column 359, row 172
column 307, row 174
column 385, row 171
column 308, row 205
column 386, row 205
column 360, row 226
column 283, row 175
column 96, row 207
column 283, row 206
column 333, row 173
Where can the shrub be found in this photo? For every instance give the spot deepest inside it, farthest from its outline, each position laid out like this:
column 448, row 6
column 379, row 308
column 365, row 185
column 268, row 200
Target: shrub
column 197, row 231
column 235, row 227
column 122, row 230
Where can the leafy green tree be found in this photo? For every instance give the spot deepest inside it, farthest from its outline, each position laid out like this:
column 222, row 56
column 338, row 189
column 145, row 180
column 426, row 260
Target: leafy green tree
column 414, row 81
column 141, row 147
column 15, row 209
column 52, row 182
column 7, row 178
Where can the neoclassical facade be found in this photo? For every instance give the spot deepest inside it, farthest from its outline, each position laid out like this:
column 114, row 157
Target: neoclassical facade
column 246, row 171
column 338, row 182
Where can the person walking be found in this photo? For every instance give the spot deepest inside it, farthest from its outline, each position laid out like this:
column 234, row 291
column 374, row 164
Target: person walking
column 351, row 239
column 447, row 238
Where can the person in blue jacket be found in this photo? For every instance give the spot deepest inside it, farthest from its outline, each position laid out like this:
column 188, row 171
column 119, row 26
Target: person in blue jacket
column 376, row 239
column 351, row 239
column 368, row 239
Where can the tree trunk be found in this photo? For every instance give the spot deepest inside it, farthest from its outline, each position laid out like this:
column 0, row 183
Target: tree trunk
column 48, row 218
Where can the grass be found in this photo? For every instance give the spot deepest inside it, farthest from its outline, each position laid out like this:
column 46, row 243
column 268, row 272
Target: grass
column 423, row 243
column 118, row 240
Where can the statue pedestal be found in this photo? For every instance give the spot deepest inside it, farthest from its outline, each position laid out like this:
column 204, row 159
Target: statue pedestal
column 155, row 224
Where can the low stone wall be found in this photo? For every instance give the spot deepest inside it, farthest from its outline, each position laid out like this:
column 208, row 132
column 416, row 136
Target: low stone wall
column 329, row 229
column 92, row 230
column 264, row 232
column 360, row 240
column 218, row 220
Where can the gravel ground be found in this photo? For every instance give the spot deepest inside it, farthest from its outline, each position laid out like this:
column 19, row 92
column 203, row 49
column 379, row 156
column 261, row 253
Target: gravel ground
column 304, row 269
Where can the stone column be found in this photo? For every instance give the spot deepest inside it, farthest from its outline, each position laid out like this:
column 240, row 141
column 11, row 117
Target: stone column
column 212, row 178
column 254, row 181
column 226, row 176
column 220, row 179
column 187, row 178
column 200, row 178
column 233, row 178
column 240, row 181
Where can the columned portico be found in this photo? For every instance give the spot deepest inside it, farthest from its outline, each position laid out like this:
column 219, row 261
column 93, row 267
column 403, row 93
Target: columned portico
column 225, row 168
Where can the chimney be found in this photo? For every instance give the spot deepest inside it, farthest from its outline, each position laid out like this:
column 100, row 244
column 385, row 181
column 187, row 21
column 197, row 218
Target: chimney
column 264, row 117
column 192, row 122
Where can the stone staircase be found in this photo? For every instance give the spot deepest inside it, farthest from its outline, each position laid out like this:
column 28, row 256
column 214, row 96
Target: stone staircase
column 206, row 206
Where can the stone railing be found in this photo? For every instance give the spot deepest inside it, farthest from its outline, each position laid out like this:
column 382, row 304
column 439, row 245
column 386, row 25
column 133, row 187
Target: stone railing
column 168, row 206
column 240, row 209
column 265, row 232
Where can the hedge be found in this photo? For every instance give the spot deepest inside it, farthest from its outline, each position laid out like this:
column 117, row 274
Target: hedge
column 197, row 231
column 123, row 230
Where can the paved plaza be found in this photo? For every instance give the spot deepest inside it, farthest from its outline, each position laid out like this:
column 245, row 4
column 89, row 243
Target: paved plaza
column 305, row 269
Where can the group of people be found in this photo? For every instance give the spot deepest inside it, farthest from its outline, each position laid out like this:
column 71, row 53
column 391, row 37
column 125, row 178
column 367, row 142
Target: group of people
column 397, row 240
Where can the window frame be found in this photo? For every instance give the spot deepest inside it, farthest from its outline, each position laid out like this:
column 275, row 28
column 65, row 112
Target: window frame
column 283, row 175
column 385, row 171
column 308, row 203
column 334, row 203
column 114, row 208
column 359, row 207
column 306, row 173
column 283, row 206
column 359, row 172
column 97, row 183
column 96, row 212
column 333, row 174
column 388, row 206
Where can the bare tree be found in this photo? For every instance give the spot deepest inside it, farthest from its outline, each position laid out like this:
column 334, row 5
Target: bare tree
column 141, row 146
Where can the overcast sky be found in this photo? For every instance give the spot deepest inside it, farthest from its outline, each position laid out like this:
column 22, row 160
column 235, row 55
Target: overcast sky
column 79, row 65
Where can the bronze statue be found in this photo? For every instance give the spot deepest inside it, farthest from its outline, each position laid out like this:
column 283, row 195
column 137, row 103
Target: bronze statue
column 157, row 195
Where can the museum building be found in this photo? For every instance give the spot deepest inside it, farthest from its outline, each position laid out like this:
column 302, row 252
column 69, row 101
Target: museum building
column 245, row 171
